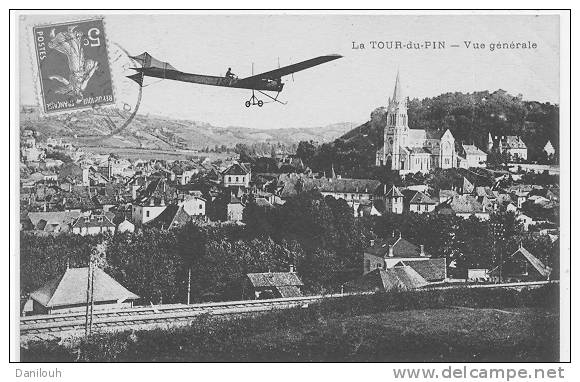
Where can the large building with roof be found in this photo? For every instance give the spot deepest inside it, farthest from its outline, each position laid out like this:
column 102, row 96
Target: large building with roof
column 68, row 293
column 416, row 150
column 413, row 150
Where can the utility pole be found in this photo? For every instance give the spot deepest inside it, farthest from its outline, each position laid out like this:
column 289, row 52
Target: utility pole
column 88, row 298
column 92, row 297
column 189, row 286
column 97, row 254
column 498, row 231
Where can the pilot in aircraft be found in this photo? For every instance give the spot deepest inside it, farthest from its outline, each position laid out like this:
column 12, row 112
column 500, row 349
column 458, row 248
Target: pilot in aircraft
column 229, row 73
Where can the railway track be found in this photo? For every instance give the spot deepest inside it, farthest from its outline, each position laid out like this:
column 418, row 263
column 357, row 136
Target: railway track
column 56, row 326
column 43, row 327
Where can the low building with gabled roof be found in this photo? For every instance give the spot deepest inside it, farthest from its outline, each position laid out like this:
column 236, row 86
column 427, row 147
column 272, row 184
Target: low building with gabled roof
column 464, row 206
column 474, row 156
column 514, row 146
column 68, row 293
column 385, row 280
column 94, row 224
column 521, row 266
column 418, row 202
column 273, row 285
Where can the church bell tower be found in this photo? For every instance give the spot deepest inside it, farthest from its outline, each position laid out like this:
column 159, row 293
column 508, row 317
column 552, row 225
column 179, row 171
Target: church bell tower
column 397, row 129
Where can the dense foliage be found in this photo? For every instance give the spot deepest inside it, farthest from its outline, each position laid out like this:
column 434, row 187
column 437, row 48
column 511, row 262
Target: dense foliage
column 320, row 236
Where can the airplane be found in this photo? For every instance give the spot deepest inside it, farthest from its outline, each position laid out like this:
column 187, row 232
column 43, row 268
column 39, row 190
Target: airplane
column 267, row 81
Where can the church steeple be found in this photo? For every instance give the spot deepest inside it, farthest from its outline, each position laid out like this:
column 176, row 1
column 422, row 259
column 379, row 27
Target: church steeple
column 398, row 92
column 397, row 129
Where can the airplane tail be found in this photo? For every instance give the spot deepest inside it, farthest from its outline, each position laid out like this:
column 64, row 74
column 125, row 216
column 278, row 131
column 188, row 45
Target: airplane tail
column 147, row 61
column 137, row 77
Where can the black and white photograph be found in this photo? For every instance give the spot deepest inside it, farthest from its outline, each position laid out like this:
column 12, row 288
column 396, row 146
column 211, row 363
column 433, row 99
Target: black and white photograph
column 293, row 187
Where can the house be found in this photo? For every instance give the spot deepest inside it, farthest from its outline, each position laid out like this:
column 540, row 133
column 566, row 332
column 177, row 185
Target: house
column 370, row 208
column 190, row 208
column 235, row 209
column 125, row 226
column 272, row 285
column 152, row 201
column 51, row 222
column 67, row 293
column 521, row 266
column 396, row 251
column 474, row 156
column 418, row 202
column 446, row 195
column 514, row 146
column 193, row 204
column 237, row 175
column 93, row 225
column 385, row 280
column 525, row 221
column 464, row 206
column 353, row 191
column 477, row 274
column 394, row 201
column 549, row 149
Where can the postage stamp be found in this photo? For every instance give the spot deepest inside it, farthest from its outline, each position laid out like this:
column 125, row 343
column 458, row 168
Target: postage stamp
column 72, row 63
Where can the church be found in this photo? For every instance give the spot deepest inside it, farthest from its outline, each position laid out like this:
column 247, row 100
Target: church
column 413, row 150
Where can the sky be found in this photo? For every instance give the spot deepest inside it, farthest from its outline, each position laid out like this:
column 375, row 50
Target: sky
column 344, row 90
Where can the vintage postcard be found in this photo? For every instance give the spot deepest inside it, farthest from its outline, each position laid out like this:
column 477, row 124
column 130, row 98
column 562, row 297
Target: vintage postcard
column 347, row 187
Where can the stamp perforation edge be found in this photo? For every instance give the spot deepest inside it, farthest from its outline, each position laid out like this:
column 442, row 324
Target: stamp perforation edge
column 34, row 63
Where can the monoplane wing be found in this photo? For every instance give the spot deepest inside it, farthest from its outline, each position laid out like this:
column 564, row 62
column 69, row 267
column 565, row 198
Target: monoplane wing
column 286, row 70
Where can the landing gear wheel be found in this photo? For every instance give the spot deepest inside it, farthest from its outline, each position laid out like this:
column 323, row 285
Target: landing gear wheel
column 248, row 104
column 260, row 103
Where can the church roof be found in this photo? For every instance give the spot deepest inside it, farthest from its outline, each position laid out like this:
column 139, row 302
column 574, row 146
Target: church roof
column 418, row 150
column 472, row 150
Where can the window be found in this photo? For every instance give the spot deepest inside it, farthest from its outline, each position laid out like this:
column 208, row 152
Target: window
column 201, row 206
column 229, row 178
column 147, row 214
column 237, row 179
column 367, row 265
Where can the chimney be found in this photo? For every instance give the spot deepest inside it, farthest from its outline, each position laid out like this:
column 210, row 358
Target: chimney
column 151, row 202
column 162, row 202
column 422, row 250
column 391, row 254
column 291, row 268
column 372, row 242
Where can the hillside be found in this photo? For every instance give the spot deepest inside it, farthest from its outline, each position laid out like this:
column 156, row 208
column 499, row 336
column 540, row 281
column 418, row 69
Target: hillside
column 99, row 128
column 469, row 116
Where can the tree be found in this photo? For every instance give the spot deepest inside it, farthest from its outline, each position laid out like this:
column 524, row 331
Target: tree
column 306, row 152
